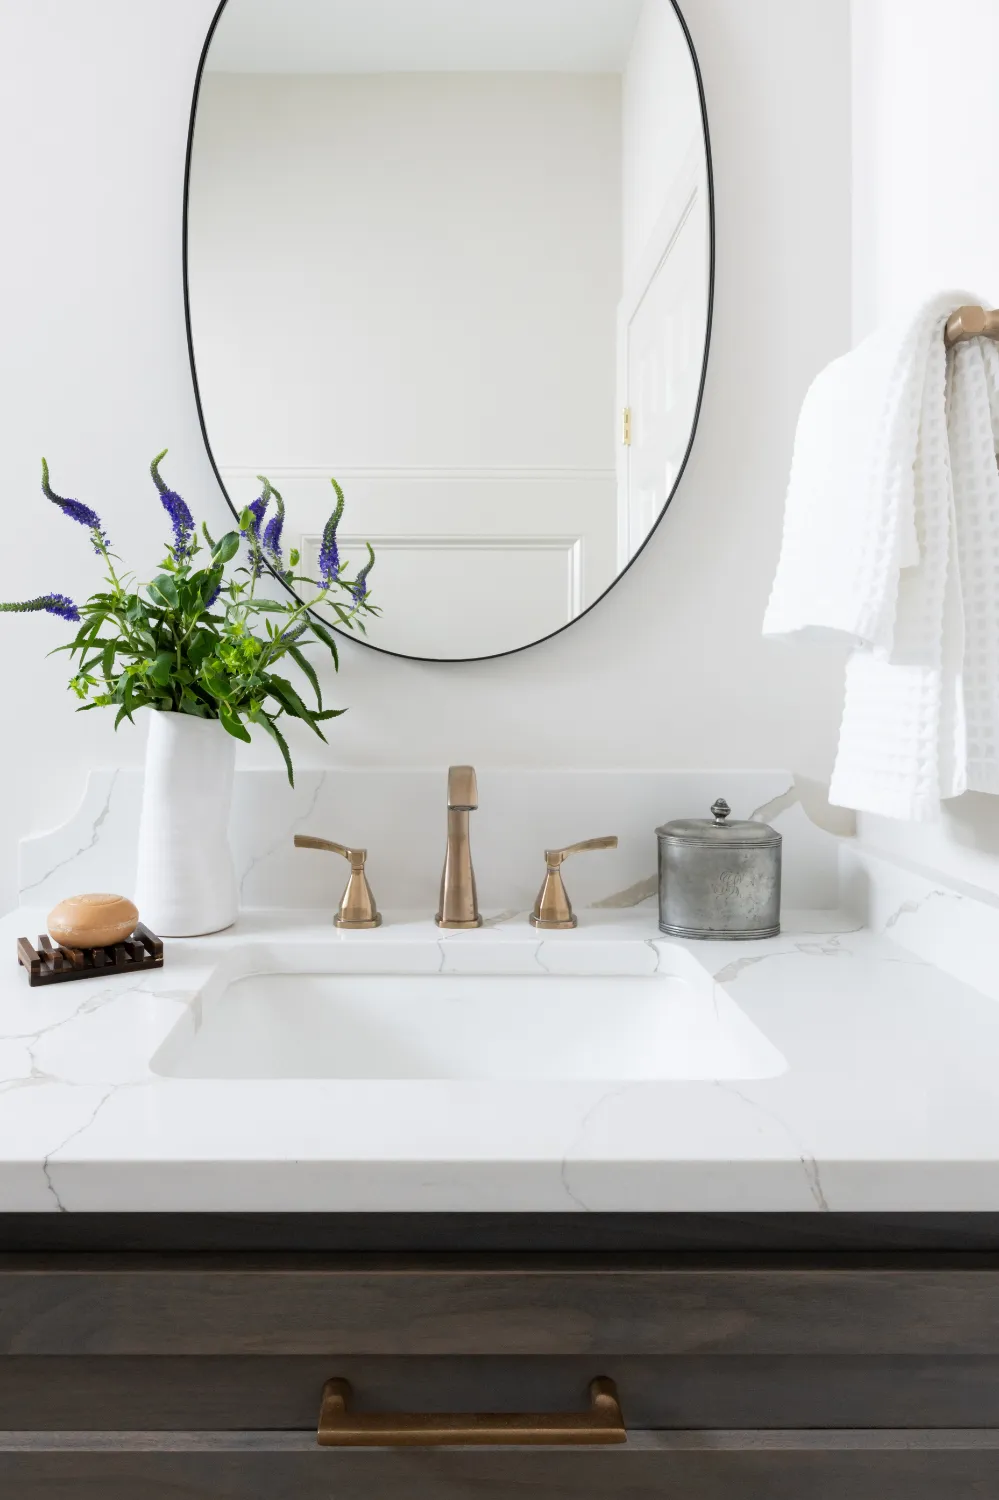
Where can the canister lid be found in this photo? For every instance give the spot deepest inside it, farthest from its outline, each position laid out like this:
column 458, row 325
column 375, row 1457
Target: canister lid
column 718, row 829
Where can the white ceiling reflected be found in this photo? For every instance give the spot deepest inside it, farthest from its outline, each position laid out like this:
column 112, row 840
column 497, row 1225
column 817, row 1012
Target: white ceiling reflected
column 388, row 36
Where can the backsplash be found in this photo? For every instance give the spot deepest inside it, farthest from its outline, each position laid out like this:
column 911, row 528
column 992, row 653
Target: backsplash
column 400, row 818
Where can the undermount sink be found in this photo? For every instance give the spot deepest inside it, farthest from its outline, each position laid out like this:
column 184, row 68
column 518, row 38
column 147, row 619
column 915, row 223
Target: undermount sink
column 256, row 1019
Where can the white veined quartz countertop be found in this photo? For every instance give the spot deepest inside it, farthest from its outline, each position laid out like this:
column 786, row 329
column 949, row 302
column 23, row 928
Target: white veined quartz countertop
column 885, row 1098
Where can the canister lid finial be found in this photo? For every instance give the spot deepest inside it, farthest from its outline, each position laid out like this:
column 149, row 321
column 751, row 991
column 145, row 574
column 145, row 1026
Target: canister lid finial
column 720, row 809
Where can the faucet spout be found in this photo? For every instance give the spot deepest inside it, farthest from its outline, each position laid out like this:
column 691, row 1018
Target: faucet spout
column 462, row 789
column 459, row 906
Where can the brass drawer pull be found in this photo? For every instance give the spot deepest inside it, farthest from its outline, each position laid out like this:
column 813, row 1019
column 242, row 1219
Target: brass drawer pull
column 340, row 1428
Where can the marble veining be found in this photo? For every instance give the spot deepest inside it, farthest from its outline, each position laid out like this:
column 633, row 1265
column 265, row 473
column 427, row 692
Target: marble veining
column 632, row 895
column 776, row 805
column 885, row 1102
column 398, row 816
column 883, row 1008
column 279, row 840
column 910, row 908
column 103, row 785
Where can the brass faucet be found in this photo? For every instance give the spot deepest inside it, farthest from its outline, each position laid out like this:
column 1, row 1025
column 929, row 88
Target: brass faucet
column 357, row 908
column 459, row 905
column 553, row 909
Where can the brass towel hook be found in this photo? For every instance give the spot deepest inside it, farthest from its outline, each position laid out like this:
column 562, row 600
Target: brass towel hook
column 553, row 909
column 971, row 323
column 357, row 908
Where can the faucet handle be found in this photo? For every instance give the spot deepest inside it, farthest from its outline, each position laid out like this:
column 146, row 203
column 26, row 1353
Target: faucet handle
column 357, row 908
column 553, row 909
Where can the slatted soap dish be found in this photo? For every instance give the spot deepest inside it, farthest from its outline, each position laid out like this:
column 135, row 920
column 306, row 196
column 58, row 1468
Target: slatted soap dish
column 52, row 963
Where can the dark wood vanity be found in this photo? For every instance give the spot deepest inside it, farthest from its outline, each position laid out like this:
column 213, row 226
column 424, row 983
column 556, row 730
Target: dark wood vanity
column 764, row 1357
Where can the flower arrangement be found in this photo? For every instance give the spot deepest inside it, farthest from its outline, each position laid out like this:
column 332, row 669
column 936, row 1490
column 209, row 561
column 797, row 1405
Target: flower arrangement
column 196, row 641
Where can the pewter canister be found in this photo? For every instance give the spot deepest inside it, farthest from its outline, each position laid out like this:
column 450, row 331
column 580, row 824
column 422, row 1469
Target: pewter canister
column 719, row 879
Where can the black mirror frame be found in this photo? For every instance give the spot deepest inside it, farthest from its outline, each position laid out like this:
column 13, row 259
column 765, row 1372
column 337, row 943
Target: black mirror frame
column 515, row 650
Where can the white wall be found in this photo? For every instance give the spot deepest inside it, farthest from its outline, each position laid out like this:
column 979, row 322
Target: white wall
column 926, row 123
column 661, row 123
column 670, row 670
column 408, row 270
column 410, row 281
column 925, row 131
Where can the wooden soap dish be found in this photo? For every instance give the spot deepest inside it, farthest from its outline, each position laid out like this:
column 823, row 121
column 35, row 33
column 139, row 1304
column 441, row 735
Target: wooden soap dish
column 51, row 963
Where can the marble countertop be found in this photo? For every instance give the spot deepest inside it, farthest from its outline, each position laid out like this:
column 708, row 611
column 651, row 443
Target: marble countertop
column 887, row 1102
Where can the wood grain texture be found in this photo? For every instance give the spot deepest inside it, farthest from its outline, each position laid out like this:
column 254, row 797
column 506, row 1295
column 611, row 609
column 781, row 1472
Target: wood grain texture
column 907, row 1465
column 248, row 1306
column 282, row 1394
column 54, row 963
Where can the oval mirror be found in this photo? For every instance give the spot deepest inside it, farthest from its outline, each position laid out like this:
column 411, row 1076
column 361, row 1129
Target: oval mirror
column 456, row 254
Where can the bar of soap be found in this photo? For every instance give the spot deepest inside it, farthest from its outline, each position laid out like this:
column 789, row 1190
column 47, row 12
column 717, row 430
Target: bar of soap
column 92, row 921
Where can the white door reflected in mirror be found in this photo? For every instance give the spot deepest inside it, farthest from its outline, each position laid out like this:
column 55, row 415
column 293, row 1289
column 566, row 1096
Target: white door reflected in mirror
column 450, row 251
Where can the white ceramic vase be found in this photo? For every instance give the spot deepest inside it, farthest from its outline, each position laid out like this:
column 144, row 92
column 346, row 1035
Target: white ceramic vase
column 186, row 884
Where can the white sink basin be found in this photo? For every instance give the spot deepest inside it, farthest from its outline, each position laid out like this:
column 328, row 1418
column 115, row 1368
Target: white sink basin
column 255, row 1020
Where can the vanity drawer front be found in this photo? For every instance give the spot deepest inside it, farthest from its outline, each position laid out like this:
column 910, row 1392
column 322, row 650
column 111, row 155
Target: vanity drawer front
column 228, row 1306
column 282, row 1394
column 909, row 1465
column 226, row 1344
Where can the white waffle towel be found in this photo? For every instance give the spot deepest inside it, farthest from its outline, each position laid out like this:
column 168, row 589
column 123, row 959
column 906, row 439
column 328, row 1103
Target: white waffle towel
column 891, row 539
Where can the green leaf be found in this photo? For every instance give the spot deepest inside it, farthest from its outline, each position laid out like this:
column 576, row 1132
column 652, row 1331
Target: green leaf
column 197, row 694
column 163, row 592
column 207, row 585
column 330, row 713
column 107, row 659
column 216, row 680
column 125, row 693
column 128, row 698
column 266, row 722
column 286, row 695
column 232, row 725
column 161, row 670
column 226, row 548
column 321, row 633
column 200, row 647
column 87, row 632
column 306, row 666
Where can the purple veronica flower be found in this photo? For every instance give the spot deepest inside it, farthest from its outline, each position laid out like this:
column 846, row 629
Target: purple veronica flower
column 289, row 637
column 272, row 538
column 258, row 508
column 180, row 517
column 329, row 558
column 53, row 604
column 329, row 552
column 274, row 528
column 76, row 511
column 182, row 521
column 360, row 589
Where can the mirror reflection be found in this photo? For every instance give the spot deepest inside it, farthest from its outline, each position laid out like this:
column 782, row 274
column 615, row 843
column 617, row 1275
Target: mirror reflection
column 456, row 254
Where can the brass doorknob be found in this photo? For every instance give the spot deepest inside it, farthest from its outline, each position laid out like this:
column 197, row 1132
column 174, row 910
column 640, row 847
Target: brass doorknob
column 553, row 909
column 357, row 909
